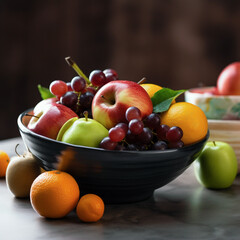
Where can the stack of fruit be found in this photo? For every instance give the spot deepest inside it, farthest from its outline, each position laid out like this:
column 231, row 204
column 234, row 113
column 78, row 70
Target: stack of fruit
column 102, row 111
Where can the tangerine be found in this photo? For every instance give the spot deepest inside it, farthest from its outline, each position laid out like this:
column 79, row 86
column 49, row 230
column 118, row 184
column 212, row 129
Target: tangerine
column 151, row 88
column 54, row 194
column 190, row 118
column 4, row 161
column 90, row 208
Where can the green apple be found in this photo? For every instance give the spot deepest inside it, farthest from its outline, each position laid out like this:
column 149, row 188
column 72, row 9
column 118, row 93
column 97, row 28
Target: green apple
column 82, row 131
column 217, row 166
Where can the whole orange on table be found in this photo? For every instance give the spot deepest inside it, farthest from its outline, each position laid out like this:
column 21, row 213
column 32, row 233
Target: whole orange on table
column 90, row 208
column 54, row 194
column 4, row 161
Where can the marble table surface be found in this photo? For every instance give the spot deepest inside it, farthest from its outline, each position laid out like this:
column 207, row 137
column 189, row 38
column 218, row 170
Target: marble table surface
column 180, row 210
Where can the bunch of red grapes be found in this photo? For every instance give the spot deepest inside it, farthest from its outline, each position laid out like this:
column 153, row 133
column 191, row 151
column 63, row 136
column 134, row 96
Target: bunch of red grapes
column 78, row 94
column 142, row 134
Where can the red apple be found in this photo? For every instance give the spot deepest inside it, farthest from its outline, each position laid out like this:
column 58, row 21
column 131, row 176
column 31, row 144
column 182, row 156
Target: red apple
column 228, row 82
column 114, row 98
column 48, row 120
column 44, row 103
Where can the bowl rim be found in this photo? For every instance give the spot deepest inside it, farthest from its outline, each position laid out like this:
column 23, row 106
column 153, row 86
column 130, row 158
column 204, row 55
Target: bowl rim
column 207, row 95
column 25, row 130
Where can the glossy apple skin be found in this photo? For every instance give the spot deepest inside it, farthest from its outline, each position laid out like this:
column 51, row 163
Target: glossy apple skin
column 43, row 104
column 83, row 132
column 216, row 167
column 113, row 99
column 228, row 82
column 50, row 119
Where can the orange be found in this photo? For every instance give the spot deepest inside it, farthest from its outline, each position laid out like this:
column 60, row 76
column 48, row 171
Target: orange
column 190, row 118
column 54, row 194
column 4, row 161
column 90, row 208
column 150, row 88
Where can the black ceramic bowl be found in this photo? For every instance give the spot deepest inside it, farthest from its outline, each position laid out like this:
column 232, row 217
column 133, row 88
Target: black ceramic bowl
column 116, row 176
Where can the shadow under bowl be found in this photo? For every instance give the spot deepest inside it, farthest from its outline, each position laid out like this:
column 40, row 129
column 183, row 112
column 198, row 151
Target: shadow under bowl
column 116, row 176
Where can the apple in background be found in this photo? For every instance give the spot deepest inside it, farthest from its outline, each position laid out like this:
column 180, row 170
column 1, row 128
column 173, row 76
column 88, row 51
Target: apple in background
column 228, row 82
column 114, row 98
column 217, row 165
column 44, row 103
column 48, row 119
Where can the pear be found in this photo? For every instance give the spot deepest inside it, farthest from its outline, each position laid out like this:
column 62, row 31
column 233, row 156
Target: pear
column 82, row 131
column 21, row 172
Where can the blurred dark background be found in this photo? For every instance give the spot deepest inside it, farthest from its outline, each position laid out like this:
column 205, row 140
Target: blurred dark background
column 177, row 43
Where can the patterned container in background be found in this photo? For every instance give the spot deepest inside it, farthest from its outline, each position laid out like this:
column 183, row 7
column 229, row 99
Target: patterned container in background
column 215, row 106
column 223, row 113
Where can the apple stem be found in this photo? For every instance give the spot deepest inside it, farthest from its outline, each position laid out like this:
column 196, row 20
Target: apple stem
column 85, row 114
column 72, row 64
column 31, row 115
column 112, row 101
column 102, row 96
column 143, row 80
column 214, row 143
column 16, row 150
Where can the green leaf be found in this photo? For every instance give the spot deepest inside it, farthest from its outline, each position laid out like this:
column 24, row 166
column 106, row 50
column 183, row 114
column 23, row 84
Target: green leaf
column 163, row 98
column 45, row 92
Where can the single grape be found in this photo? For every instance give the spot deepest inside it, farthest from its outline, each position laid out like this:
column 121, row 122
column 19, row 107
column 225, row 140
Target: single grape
column 135, row 126
column 58, row 88
column 110, row 77
column 146, row 136
column 86, row 100
column 141, row 147
column 174, row 134
column 78, row 84
column 124, row 126
column 160, row 145
column 69, row 87
column 130, row 137
column 111, row 71
column 92, row 90
column 97, row 78
column 120, row 147
column 106, row 143
column 69, row 99
column 178, row 144
column 132, row 147
column 117, row 134
column 133, row 113
column 152, row 121
column 161, row 132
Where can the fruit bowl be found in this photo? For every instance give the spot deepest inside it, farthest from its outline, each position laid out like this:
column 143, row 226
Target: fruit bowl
column 116, row 176
column 217, row 107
